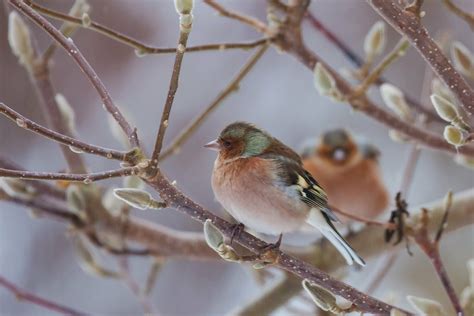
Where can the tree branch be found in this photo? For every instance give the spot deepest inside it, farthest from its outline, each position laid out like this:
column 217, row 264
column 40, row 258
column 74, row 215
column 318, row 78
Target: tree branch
column 359, row 62
column 183, row 39
column 409, row 25
column 86, row 177
column 256, row 24
column 133, row 43
column 47, row 304
column 468, row 17
column 83, row 64
column 231, row 87
column 27, row 124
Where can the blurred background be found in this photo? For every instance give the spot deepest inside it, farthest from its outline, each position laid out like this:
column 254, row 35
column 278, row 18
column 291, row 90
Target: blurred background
column 278, row 95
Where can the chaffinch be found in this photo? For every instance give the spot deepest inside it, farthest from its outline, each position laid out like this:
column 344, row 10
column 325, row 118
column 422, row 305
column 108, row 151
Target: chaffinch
column 262, row 183
column 349, row 172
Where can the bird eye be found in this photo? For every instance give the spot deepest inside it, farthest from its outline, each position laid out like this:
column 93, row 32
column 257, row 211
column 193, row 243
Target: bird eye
column 226, row 144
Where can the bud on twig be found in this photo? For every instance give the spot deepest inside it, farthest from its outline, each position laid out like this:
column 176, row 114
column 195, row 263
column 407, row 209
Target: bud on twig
column 79, row 9
column 183, row 6
column 325, row 83
column 374, row 42
column 467, row 295
column 215, row 240
column 425, row 306
column 67, row 112
column 395, row 100
column 437, row 87
column 465, row 161
column 453, row 135
column 76, row 200
column 19, row 39
column 89, row 264
column 463, row 59
column 17, row 188
column 448, row 112
column 323, row 298
column 138, row 198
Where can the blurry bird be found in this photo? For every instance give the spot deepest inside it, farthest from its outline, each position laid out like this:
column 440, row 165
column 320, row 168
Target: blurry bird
column 262, row 183
column 348, row 172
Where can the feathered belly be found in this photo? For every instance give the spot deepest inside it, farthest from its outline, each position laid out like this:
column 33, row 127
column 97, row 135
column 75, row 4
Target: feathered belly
column 253, row 199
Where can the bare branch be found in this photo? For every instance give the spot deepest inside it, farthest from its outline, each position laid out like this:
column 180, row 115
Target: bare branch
column 256, row 24
column 83, row 64
column 357, row 61
column 80, row 146
column 468, row 17
column 47, row 304
column 409, row 25
column 86, row 177
column 133, row 43
column 231, row 87
column 183, row 39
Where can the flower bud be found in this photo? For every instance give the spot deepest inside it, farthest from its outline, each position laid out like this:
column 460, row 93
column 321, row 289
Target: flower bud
column 321, row 297
column 19, row 39
column 75, row 199
column 463, row 59
column 425, row 306
column 183, row 6
column 323, row 80
column 453, row 135
column 374, row 42
column 214, row 237
column 67, row 112
column 395, row 100
column 437, row 87
column 445, row 109
column 465, row 161
column 17, row 188
column 138, row 198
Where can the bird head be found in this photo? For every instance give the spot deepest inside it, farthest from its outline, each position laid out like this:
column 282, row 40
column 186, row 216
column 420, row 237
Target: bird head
column 241, row 139
column 337, row 146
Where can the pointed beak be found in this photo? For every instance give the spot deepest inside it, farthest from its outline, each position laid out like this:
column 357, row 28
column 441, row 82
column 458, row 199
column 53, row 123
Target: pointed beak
column 214, row 145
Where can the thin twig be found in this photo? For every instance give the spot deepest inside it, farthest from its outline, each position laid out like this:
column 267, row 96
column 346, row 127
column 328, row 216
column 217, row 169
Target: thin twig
column 173, row 87
column 86, row 177
column 83, row 64
column 468, row 17
column 410, row 26
column 135, row 287
column 431, row 249
column 132, row 42
column 78, row 145
column 358, row 62
column 362, row 219
column 29, row 297
column 396, row 53
column 39, row 186
column 253, row 22
column 231, row 87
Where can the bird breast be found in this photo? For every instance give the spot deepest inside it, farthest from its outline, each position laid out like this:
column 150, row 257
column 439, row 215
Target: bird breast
column 248, row 191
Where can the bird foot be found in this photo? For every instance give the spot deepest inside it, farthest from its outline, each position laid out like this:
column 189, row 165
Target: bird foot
column 237, row 229
column 269, row 254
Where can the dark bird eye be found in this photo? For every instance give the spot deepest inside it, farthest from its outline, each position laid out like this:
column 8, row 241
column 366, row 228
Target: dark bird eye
column 226, row 144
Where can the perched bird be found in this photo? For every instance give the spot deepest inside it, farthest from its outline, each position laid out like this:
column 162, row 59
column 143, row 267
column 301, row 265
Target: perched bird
column 261, row 182
column 349, row 173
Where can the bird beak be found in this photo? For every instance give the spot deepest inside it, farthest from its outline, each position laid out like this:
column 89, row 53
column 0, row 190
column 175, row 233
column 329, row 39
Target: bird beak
column 214, row 145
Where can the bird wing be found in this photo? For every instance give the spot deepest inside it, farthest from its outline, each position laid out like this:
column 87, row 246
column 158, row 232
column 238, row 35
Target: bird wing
column 291, row 173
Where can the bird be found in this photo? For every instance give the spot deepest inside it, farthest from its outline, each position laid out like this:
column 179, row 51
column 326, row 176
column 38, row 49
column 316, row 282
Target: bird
column 262, row 183
column 348, row 169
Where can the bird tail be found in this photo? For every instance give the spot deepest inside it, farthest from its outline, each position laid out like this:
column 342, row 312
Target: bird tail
column 323, row 223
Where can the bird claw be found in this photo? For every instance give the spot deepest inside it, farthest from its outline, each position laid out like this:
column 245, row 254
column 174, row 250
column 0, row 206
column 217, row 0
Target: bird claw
column 269, row 254
column 237, row 229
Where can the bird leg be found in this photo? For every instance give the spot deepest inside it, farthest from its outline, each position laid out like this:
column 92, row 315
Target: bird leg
column 269, row 254
column 237, row 229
